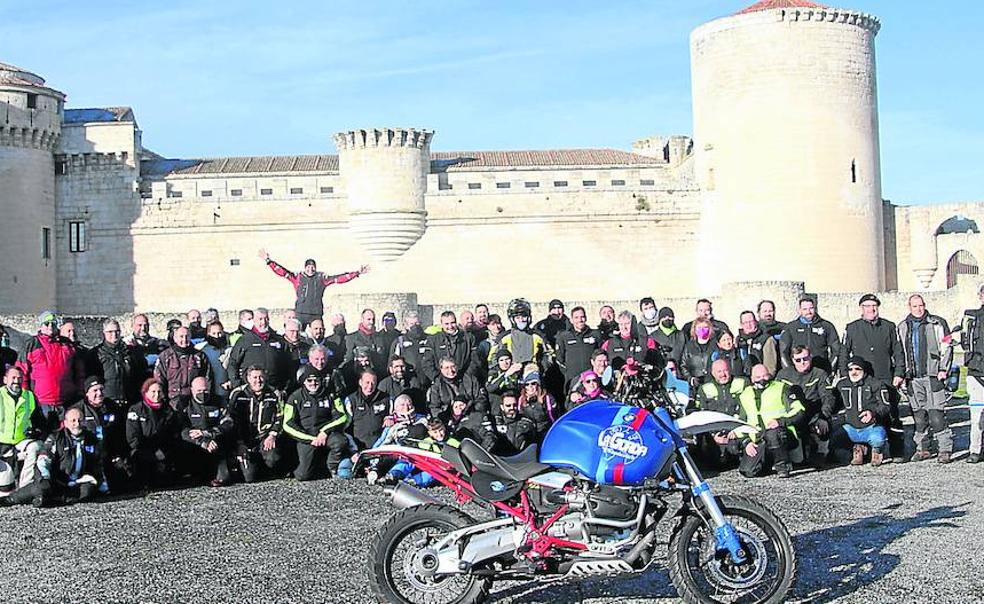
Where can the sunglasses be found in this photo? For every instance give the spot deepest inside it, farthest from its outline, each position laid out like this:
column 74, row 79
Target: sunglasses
column 855, row 369
column 590, row 381
column 801, row 359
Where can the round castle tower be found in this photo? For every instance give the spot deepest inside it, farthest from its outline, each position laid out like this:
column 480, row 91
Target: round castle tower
column 30, row 124
column 385, row 175
column 786, row 147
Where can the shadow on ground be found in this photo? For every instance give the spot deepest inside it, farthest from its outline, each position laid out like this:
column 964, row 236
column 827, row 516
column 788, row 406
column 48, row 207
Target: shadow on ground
column 834, row 562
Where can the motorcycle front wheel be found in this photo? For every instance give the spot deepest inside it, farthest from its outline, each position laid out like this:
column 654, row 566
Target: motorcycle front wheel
column 704, row 575
column 401, row 566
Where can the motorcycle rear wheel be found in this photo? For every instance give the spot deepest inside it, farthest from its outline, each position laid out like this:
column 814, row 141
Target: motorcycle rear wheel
column 704, row 576
column 398, row 573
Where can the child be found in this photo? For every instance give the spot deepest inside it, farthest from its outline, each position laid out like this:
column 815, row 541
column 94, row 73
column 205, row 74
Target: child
column 437, row 439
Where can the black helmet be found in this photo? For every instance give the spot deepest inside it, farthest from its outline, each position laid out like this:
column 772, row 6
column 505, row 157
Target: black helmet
column 518, row 306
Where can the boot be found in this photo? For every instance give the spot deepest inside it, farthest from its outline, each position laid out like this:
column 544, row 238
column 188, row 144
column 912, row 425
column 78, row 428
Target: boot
column 921, row 456
column 944, row 457
column 858, row 458
column 877, row 458
column 783, row 469
column 974, row 458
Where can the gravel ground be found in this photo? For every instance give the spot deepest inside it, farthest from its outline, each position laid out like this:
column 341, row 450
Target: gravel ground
column 896, row 533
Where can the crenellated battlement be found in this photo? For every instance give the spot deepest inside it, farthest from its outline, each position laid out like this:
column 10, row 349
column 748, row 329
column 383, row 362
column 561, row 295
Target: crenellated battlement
column 383, row 137
column 792, row 15
column 79, row 163
column 32, row 138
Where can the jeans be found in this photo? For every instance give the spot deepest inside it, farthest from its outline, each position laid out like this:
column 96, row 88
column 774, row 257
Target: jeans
column 873, row 436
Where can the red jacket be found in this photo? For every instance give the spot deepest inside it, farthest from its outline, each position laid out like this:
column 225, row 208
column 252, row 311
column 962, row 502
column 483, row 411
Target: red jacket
column 49, row 368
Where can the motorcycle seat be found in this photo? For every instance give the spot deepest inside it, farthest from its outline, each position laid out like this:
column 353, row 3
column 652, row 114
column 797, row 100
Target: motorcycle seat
column 519, row 467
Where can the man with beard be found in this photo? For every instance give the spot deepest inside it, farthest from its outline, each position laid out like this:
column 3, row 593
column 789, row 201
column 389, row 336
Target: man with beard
column 514, row 432
column 813, row 386
column 257, row 412
column 120, row 367
column 366, row 336
column 193, row 320
column 403, row 380
column 367, row 407
column 813, row 332
column 211, row 432
column 146, row 345
column 105, row 418
column 178, row 366
column 767, row 319
column 316, row 420
column 411, row 346
column 22, row 424
column 606, row 322
column 555, row 322
column 309, row 286
column 338, row 335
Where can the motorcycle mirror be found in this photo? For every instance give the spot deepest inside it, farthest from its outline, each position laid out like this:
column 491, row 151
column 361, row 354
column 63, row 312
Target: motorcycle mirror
column 606, row 375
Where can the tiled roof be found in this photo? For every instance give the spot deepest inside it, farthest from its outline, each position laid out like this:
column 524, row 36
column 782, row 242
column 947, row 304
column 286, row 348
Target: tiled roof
column 440, row 160
column 469, row 160
column 241, row 165
column 771, row 4
column 98, row 114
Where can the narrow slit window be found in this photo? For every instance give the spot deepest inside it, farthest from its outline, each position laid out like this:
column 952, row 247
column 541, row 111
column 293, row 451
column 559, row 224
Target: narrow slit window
column 854, row 171
column 45, row 243
column 76, row 236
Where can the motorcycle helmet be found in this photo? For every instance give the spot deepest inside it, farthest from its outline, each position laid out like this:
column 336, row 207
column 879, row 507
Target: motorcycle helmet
column 517, row 307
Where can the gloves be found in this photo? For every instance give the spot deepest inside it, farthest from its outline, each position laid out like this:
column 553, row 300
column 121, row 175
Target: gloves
column 821, row 426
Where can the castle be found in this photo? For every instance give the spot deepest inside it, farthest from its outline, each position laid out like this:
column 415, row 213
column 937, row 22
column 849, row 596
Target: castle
column 780, row 183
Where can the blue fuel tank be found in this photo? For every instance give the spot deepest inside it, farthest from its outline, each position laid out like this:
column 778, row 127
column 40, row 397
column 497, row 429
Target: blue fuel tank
column 610, row 443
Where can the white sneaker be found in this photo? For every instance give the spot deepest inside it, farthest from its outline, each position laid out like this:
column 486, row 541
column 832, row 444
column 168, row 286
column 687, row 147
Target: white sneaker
column 372, row 477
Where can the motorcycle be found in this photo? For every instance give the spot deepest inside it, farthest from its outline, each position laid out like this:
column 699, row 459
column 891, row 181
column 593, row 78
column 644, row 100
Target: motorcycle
column 585, row 504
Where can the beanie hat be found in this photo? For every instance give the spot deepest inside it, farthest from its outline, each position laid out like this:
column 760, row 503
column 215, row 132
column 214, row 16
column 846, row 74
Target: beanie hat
column 91, row 381
column 869, row 298
column 666, row 311
column 311, row 262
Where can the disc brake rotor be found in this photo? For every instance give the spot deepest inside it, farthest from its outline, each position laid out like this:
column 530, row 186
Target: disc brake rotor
column 723, row 571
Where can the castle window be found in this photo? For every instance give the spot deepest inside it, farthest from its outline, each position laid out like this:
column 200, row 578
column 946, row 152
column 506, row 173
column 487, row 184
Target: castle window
column 502, row 185
column 560, row 183
column 206, row 193
column 474, row 185
column 854, row 171
column 236, row 192
column 32, row 101
column 76, row 236
column 175, row 194
column 296, row 190
column 532, row 185
column 589, row 183
column 618, row 183
column 61, row 166
column 266, row 191
column 327, row 190
column 233, row 261
column 45, row 243
column 647, row 182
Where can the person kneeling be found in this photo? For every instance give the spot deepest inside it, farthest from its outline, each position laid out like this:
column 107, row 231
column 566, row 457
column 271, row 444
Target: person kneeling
column 772, row 407
column 437, row 439
column 866, row 410
column 316, row 419
column 210, row 432
column 69, row 467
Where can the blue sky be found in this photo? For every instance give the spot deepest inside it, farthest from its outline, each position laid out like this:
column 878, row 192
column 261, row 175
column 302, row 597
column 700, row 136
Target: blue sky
column 266, row 78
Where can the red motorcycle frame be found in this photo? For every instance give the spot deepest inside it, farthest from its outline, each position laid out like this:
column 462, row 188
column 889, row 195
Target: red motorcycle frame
column 537, row 544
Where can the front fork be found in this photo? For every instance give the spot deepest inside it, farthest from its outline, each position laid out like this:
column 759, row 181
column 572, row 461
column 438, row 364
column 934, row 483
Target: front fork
column 724, row 533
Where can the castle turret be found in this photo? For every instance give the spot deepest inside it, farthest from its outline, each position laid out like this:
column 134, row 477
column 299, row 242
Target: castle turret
column 786, row 147
column 30, row 124
column 385, row 175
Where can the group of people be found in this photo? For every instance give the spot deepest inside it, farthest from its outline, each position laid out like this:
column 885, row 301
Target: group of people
column 216, row 405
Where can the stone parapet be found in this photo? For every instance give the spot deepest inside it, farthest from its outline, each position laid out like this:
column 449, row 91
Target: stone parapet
column 383, row 137
column 32, row 138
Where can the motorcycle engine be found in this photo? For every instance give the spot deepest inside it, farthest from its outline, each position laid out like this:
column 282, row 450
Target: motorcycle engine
column 596, row 502
column 612, row 503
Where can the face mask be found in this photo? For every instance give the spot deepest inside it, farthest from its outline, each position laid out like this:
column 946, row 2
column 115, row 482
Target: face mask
column 200, row 397
column 649, row 314
column 521, row 324
column 219, row 342
column 667, row 321
column 760, row 385
column 248, row 324
column 703, row 332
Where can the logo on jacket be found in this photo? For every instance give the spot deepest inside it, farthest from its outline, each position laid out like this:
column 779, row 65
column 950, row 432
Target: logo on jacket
column 623, row 442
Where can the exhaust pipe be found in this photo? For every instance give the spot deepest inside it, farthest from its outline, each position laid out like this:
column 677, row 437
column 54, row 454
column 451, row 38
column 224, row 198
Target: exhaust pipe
column 405, row 496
